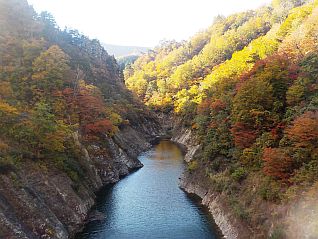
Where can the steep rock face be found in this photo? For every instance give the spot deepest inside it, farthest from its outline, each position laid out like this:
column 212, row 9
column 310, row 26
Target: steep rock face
column 185, row 137
column 66, row 82
column 230, row 226
column 39, row 201
column 197, row 183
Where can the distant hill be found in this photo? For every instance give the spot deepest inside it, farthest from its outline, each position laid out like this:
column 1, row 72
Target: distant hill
column 122, row 51
column 126, row 60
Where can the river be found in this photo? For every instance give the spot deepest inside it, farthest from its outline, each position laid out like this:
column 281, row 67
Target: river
column 149, row 204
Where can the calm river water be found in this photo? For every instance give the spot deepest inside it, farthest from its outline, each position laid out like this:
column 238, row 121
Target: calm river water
column 149, row 204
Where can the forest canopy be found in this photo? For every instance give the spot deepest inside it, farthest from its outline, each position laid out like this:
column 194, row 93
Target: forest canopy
column 247, row 87
column 56, row 85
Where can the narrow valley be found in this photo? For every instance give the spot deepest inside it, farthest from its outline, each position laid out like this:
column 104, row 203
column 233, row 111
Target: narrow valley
column 211, row 137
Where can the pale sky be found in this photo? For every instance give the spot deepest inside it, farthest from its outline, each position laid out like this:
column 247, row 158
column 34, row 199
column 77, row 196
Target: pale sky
column 140, row 22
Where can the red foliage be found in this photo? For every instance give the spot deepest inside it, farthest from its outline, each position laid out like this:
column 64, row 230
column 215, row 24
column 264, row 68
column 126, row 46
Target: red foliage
column 69, row 96
column 57, row 93
column 103, row 126
column 277, row 132
column 304, row 130
column 259, row 66
column 293, row 71
column 67, row 91
column 313, row 87
column 272, row 62
column 213, row 124
column 244, row 136
column 90, row 110
column 205, row 107
column 277, row 163
column 218, row 105
column 89, row 107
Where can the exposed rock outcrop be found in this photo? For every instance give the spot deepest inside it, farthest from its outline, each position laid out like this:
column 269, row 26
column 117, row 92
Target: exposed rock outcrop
column 185, row 137
column 41, row 201
column 229, row 225
column 196, row 183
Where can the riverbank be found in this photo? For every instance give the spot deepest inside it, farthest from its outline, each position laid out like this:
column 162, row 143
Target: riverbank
column 40, row 200
column 246, row 215
column 197, row 183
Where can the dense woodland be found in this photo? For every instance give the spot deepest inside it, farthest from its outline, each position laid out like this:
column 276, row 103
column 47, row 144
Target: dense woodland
column 248, row 88
column 55, row 84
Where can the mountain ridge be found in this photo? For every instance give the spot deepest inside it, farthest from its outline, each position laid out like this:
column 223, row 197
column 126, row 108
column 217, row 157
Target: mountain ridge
column 120, row 51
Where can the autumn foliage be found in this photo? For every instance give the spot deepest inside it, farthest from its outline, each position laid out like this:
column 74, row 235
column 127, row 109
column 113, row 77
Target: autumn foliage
column 99, row 127
column 54, row 85
column 304, row 130
column 244, row 135
column 218, row 105
column 88, row 106
column 277, row 163
column 204, row 107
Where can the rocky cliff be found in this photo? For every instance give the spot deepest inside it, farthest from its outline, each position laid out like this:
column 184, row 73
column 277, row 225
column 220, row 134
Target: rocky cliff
column 197, row 183
column 68, row 125
column 272, row 217
column 39, row 201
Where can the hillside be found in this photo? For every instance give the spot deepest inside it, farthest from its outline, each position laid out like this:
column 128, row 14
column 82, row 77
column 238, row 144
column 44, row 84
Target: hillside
column 242, row 96
column 68, row 125
column 246, row 89
column 124, row 51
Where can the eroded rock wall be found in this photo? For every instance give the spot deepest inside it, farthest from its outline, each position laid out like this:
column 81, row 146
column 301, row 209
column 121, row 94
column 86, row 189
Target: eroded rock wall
column 40, row 201
column 197, row 183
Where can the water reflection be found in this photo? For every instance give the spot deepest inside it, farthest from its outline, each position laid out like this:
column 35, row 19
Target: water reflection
column 166, row 150
column 149, row 203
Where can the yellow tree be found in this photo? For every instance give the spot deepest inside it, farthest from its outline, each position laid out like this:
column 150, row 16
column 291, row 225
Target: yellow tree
column 50, row 70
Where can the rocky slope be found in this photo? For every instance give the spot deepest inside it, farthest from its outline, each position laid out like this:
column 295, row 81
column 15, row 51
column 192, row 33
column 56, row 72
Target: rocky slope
column 68, row 125
column 230, row 226
column 38, row 201
column 274, row 217
column 198, row 184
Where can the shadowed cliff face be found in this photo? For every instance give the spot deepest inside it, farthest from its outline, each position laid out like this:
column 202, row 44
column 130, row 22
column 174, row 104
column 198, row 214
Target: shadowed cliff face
column 68, row 125
column 197, row 183
column 41, row 201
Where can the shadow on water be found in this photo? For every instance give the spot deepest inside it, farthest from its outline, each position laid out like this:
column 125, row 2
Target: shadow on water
column 149, row 204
